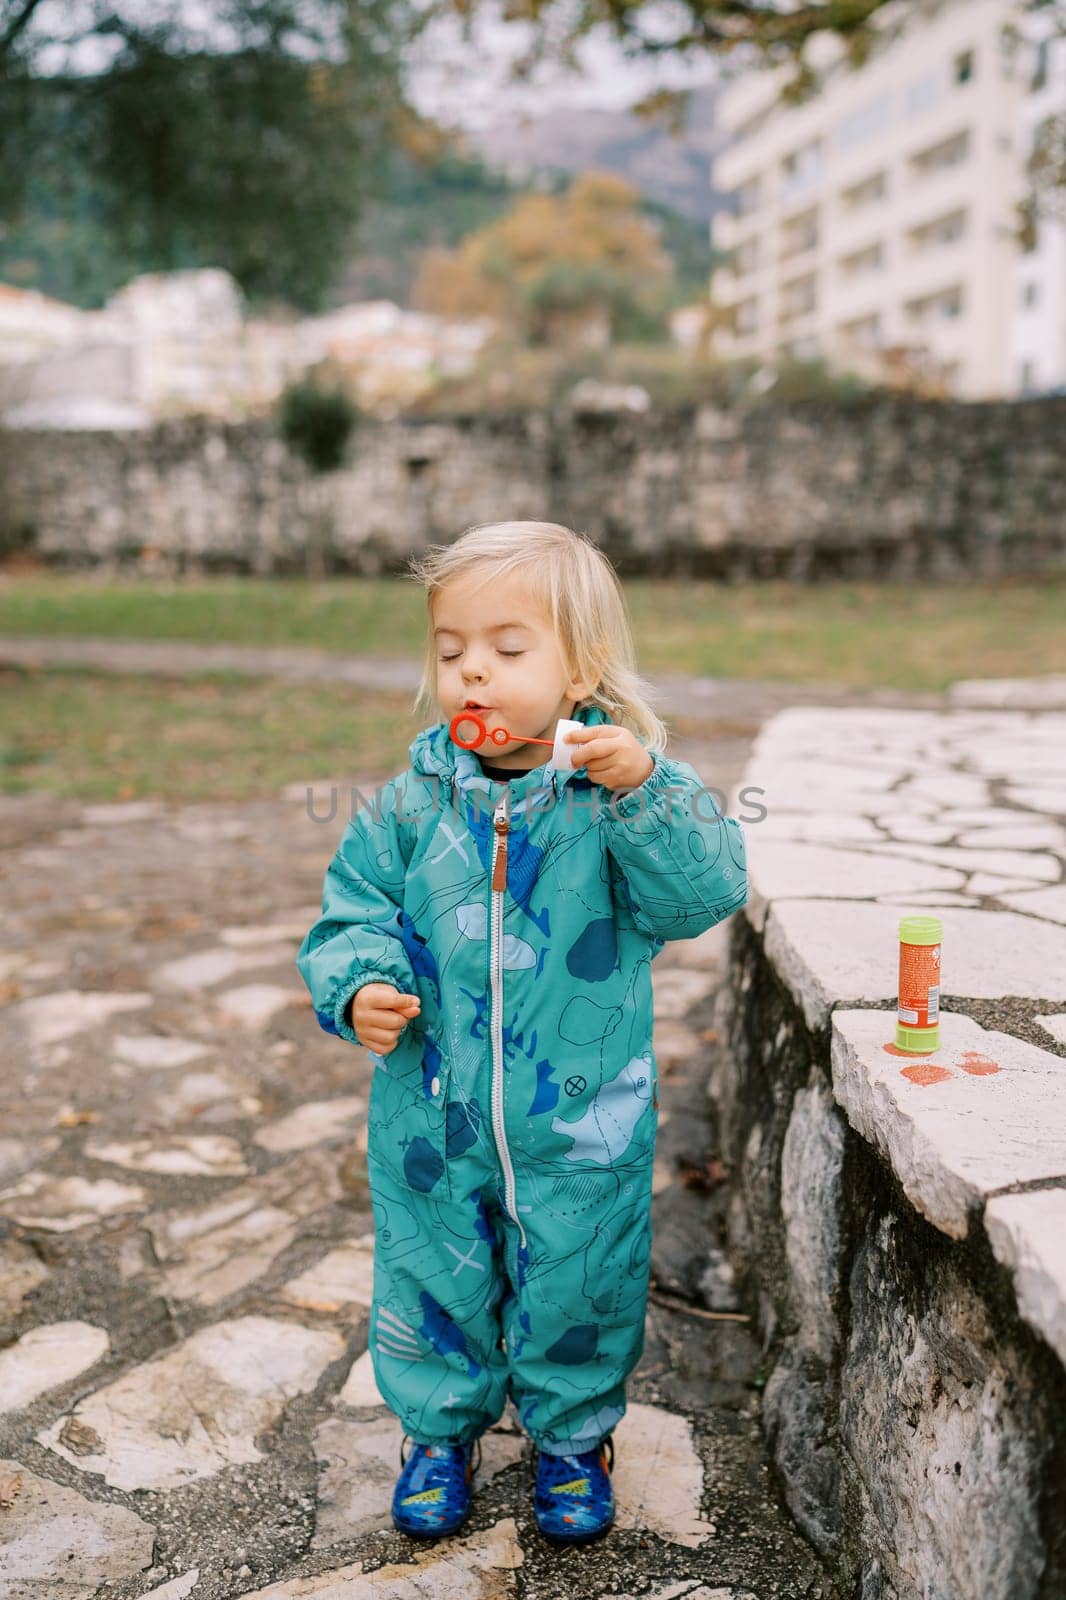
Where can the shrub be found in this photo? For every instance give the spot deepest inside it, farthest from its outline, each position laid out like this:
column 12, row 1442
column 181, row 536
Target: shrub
column 316, row 422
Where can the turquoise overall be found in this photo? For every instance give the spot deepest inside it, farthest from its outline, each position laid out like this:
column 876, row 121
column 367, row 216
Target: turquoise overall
column 512, row 1129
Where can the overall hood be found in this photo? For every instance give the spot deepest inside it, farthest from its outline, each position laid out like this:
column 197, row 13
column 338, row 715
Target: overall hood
column 434, row 753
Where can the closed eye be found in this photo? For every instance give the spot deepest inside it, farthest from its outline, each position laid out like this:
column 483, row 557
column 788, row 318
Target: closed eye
column 458, row 653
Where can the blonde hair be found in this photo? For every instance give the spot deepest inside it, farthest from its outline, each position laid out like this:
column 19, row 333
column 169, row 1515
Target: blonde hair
column 578, row 589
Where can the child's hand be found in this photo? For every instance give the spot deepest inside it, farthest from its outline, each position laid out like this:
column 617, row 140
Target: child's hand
column 380, row 1013
column 612, row 756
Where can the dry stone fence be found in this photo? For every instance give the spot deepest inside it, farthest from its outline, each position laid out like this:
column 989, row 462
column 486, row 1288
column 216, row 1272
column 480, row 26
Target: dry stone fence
column 875, row 487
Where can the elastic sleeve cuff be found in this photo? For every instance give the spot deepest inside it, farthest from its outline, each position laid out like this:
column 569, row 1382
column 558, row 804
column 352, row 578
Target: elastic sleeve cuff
column 632, row 802
column 346, row 993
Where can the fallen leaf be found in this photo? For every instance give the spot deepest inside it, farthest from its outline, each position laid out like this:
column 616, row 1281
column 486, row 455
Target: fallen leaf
column 708, row 1177
column 79, row 1438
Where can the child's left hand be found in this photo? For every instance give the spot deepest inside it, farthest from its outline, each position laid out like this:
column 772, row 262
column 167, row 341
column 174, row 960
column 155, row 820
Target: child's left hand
column 612, row 756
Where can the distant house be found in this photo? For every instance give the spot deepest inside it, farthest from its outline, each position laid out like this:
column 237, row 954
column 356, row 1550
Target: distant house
column 31, row 325
column 172, row 343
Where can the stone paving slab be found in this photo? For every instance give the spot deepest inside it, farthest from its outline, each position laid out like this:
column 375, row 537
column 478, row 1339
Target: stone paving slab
column 56, row 1542
column 43, row 1200
column 343, row 1278
column 177, row 1588
column 213, row 1251
column 189, row 1413
column 983, row 1113
column 478, row 1567
column 46, row 1357
column 1046, row 693
column 1054, row 1025
column 1028, row 1234
column 831, row 955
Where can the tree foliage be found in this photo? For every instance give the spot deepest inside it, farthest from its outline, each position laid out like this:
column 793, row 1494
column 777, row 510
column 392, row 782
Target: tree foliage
column 434, row 193
column 776, row 30
column 557, row 262
column 248, row 140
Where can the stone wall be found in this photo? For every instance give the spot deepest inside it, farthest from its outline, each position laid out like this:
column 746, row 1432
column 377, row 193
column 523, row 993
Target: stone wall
column 896, row 1221
column 879, row 487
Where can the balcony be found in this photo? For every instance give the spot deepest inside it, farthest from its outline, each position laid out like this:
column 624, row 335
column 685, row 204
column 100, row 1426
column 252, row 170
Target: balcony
column 863, row 263
column 943, row 156
column 848, row 299
column 930, row 236
column 799, row 235
column 798, row 299
column 915, row 274
column 801, row 171
column 935, row 315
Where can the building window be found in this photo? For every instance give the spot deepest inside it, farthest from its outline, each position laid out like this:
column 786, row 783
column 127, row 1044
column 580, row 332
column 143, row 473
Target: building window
column 940, row 231
column 944, row 306
column 1027, row 377
column 941, row 156
column 864, row 333
column 746, row 316
column 865, row 193
column 800, row 168
column 745, row 257
column 798, row 234
column 1030, row 294
column 865, row 122
column 746, row 197
column 963, row 67
column 799, row 297
column 1040, row 67
column 925, row 91
column 869, row 259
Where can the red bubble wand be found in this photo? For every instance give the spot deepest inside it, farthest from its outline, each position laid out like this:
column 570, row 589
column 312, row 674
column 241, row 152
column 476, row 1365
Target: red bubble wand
column 481, row 733
column 562, row 756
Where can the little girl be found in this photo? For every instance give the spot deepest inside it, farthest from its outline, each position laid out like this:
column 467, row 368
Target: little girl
column 487, row 931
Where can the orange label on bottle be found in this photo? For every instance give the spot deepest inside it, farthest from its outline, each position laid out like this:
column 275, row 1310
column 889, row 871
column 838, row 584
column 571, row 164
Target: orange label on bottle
column 919, row 984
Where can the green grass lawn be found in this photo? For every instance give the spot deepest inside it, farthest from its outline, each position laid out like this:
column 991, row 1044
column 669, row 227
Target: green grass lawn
column 228, row 737
column 861, row 635
column 212, row 738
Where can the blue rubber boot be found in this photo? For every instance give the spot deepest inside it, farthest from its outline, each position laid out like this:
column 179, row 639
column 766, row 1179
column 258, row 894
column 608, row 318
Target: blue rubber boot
column 573, row 1499
column 433, row 1492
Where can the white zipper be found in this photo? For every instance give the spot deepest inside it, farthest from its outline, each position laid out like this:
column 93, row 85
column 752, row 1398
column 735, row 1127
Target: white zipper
column 499, row 1133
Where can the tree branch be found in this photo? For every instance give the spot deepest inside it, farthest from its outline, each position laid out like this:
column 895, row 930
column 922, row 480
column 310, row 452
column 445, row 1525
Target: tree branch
column 18, row 23
column 721, row 24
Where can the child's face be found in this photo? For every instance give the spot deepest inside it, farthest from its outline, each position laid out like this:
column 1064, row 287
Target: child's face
column 496, row 649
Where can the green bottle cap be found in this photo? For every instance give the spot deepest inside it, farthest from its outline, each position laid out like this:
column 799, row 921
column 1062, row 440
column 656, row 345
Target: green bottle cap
column 920, row 1041
column 920, row 930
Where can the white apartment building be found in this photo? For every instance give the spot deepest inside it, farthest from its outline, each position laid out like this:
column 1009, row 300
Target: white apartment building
column 876, row 225
column 1038, row 312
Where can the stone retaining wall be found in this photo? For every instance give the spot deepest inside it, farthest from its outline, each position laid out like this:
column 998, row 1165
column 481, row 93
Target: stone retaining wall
column 879, row 487
column 900, row 1219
